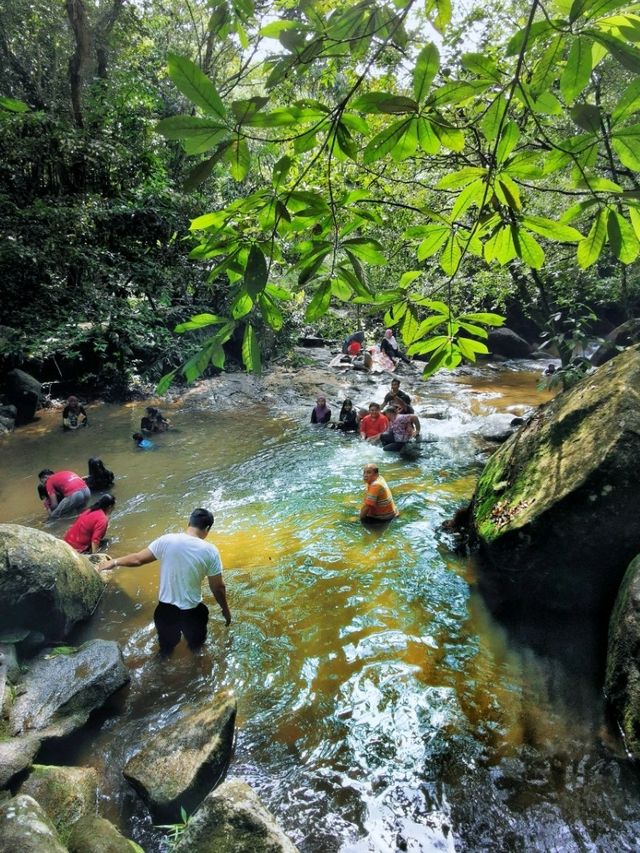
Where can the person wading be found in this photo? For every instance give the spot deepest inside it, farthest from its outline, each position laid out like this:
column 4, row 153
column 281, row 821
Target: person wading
column 185, row 560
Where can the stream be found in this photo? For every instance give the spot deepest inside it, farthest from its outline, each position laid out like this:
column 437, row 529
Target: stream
column 381, row 707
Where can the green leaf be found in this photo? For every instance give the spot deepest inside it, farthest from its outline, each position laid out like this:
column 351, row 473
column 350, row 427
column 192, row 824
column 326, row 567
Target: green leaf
column 425, row 70
column 238, row 157
column 245, row 108
column 484, row 317
column 256, row 273
column 345, row 142
column 435, row 238
column 577, row 72
column 195, row 85
column 241, row 305
column 366, row 250
column 460, row 178
column 500, row 246
column 493, row 117
column 457, row 92
column 442, row 16
column 545, row 69
column 450, row 256
column 527, row 248
column 625, row 54
column 384, row 141
column 628, row 104
column 384, row 102
column 187, row 127
column 551, row 230
column 427, row 138
column 587, row 116
column 470, row 348
column 626, row 144
column 590, row 247
column 508, row 140
column 11, row 105
column 271, row 313
column 407, row 143
column 622, row 238
column 409, row 325
column 423, row 347
column 472, row 329
column 165, row 383
column 280, row 171
column 437, row 306
column 481, row 65
column 471, row 194
column 451, row 137
column 199, row 321
column 507, row 191
column 538, row 30
column 320, row 302
column 273, row 29
column 251, row 351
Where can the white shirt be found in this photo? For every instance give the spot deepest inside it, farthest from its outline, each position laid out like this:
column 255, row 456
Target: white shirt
column 185, row 561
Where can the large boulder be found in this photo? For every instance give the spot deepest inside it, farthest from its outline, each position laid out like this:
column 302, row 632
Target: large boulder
column 622, row 683
column 622, row 336
column 555, row 508
column 25, row 827
column 16, row 754
column 25, row 393
column 93, row 834
column 508, row 343
column 44, row 584
column 61, row 690
column 180, row 764
column 65, row 793
column 233, row 820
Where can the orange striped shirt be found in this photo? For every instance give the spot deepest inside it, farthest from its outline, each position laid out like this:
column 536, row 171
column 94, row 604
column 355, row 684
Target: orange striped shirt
column 379, row 501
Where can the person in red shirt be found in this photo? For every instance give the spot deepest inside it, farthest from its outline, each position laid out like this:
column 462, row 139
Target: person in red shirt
column 374, row 423
column 66, row 492
column 88, row 530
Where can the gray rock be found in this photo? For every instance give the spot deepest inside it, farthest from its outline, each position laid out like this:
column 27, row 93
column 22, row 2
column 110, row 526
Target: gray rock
column 555, row 508
column 622, row 683
column 25, row 393
column 60, row 691
column 9, row 412
column 180, row 764
column 93, row 834
column 507, row 343
column 622, row 336
column 16, row 754
column 65, row 793
column 496, row 427
column 44, row 584
column 6, row 425
column 233, row 820
column 25, row 827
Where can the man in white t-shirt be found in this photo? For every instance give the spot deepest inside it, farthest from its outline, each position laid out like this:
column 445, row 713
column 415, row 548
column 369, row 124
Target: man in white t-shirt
column 185, row 561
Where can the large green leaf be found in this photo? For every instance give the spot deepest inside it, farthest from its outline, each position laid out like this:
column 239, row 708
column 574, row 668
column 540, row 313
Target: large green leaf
column 256, row 272
column 538, row 30
column 320, row 302
column 622, row 238
column 199, row 321
column 425, row 70
column 626, row 144
column 11, row 105
column 435, row 238
column 384, row 102
column 545, row 70
column 470, row 348
column 500, row 247
column 251, row 351
column 590, row 247
column 195, row 85
column 628, row 104
column 184, row 127
column 587, row 116
column 527, row 247
column 271, row 313
column 493, row 118
column 451, row 137
column 625, row 54
column 551, row 230
column 508, row 140
column 461, row 177
column 439, row 13
column 427, row 138
column 241, row 305
column 578, row 68
column 369, row 251
column 239, row 159
column 451, row 255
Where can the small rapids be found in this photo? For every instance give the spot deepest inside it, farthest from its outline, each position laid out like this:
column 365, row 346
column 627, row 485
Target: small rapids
column 380, row 706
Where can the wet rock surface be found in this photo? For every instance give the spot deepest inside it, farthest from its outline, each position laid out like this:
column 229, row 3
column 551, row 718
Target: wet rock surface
column 16, row 754
column 65, row 793
column 44, row 584
column 180, row 763
column 233, row 820
column 25, row 828
column 60, row 691
column 93, row 834
column 555, row 507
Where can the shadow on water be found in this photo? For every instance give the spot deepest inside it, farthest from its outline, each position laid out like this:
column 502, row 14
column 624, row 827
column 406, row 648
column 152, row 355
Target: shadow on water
column 380, row 705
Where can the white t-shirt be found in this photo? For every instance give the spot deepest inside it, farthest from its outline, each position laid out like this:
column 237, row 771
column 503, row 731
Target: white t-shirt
column 185, row 561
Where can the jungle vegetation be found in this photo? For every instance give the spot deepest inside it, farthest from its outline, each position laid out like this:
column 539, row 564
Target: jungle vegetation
column 237, row 169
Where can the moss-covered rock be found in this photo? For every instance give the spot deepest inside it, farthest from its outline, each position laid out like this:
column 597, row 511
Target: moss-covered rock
column 233, row 820
column 622, row 684
column 65, row 793
column 180, row 764
column 25, row 828
column 44, row 584
column 92, row 834
column 555, row 508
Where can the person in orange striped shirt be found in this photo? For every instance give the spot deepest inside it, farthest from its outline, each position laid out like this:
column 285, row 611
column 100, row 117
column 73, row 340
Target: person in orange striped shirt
column 378, row 502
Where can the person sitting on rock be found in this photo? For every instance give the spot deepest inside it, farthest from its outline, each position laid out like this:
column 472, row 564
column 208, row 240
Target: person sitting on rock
column 86, row 534
column 154, row 421
column 402, row 428
column 348, row 418
column 321, row 413
column 74, row 415
column 395, row 396
column 99, row 478
column 389, row 346
column 142, row 442
column 66, row 492
column 373, row 424
column 355, row 338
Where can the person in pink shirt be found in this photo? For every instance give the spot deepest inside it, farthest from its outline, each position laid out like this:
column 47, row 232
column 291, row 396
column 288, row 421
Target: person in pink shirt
column 88, row 530
column 66, row 492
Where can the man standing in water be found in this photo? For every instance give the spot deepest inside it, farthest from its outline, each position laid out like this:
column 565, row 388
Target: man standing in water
column 185, row 560
column 378, row 502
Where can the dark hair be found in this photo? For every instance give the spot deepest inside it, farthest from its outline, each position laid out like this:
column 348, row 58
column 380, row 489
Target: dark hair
column 103, row 502
column 96, row 464
column 151, row 410
column 201, row 518
column 46, row 472
column 137, row 436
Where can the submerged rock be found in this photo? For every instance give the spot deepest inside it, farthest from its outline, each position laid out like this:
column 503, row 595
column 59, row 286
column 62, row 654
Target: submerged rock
column 233, row 820
column 622, row 684
column 181, row 763
column 555, row 508
column 25, row 827
column 44, row 584
column 93, row 834
column 65, row 793
column 60, row 691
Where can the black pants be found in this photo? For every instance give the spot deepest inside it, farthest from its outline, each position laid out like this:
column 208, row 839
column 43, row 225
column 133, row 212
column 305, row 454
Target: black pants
column 171, row 622
column 388, row 442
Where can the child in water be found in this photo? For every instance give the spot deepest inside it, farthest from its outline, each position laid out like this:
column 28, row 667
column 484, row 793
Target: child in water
column 142, row 442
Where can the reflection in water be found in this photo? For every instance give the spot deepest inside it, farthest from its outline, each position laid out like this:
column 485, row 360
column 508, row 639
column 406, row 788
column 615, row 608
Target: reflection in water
column 378, row 700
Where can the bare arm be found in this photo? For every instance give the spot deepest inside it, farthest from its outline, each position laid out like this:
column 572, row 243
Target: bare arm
column 219, row 590
column 138, row 559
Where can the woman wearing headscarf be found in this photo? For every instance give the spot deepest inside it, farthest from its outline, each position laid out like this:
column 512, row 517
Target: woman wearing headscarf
column 321, row 413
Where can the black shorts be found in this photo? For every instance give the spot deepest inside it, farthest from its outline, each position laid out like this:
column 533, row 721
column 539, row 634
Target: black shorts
column 171, row 622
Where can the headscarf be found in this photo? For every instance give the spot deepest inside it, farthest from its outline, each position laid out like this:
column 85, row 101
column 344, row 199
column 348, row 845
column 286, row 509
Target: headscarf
column 321, row 409
column 390, row 337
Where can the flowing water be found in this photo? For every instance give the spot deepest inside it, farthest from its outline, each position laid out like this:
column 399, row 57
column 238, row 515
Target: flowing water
column 380, row 706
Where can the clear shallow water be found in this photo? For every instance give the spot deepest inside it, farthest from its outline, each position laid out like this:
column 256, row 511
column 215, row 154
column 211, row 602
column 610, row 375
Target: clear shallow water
column 380, row 707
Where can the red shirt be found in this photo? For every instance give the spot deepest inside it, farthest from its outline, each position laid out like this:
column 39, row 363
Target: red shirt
column 370, row 427
column 64, row 483
column 88, row 527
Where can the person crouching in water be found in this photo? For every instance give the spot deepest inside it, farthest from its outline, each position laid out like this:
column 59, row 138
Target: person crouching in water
column 74, row 415
column 378, row 502
column 99, row 478
column 86, row 534
column 321, row 413
column 348, row 418
column 402, row 428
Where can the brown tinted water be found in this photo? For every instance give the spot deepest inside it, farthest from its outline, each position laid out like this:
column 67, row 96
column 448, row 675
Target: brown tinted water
column 380, row 706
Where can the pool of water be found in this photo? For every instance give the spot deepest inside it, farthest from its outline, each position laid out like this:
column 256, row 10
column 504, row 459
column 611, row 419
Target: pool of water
column 380, row 706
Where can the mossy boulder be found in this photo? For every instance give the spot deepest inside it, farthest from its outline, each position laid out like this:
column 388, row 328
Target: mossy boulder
column 93, row 834
column 622, row 683
column 179, row 764
column 233, row 820
column 556, row 507
column 25, row 828
column 65, row 793
column 44, row 584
